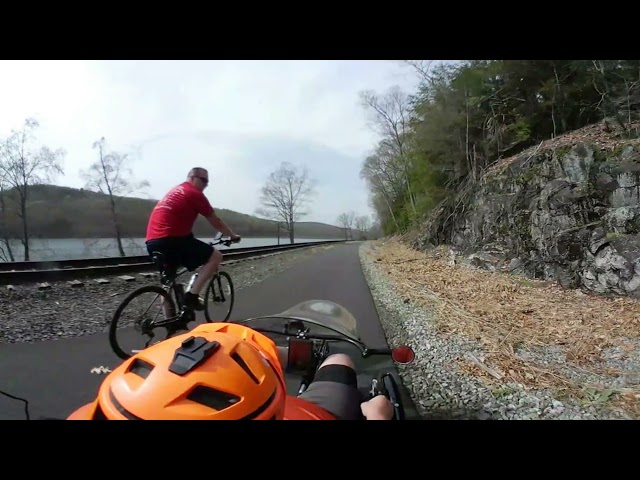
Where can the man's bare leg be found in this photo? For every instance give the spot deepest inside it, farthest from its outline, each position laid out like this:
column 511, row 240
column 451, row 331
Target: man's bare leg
column 207, row 271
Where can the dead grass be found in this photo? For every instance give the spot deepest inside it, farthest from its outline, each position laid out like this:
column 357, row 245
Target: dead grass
column 504, row 313
column 594, row 134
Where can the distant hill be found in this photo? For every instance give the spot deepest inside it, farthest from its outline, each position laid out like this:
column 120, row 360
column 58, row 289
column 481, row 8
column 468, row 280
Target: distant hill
column 64, row 212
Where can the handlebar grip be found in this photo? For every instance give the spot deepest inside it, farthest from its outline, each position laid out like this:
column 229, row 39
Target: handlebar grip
column 393, row 394
column 387, row 386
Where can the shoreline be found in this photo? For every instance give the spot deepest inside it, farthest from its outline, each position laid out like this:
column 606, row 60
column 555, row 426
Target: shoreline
column 55, row 250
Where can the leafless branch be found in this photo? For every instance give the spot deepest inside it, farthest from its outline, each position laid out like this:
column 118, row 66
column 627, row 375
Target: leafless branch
column 284, row 195
column 23, row 165
column 110, row 175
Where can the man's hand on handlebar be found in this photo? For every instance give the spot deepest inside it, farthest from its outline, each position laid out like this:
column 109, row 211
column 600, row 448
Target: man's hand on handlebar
column 235, row 238
column 378, row 408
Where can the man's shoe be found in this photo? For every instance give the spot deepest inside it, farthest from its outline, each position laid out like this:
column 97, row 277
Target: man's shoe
column 193, row 301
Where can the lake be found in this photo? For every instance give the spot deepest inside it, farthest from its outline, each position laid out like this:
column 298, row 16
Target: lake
column 74, row 248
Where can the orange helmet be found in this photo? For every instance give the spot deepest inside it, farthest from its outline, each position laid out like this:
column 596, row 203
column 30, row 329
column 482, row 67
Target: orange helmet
column 217, row 371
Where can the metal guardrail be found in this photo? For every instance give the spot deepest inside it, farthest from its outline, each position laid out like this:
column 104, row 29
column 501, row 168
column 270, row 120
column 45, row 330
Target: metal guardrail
column 21, row 272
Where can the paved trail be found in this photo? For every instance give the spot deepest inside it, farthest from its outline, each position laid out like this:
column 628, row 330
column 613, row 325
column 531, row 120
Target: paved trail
column 55, row 375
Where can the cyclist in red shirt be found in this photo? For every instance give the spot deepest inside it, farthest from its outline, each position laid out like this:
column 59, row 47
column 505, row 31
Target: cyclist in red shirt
column 170, row 231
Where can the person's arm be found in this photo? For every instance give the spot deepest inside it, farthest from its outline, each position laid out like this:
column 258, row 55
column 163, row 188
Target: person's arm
column 204, row 208
column 217, row 223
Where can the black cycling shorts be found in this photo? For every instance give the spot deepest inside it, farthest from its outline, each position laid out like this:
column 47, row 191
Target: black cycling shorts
column 182, row 251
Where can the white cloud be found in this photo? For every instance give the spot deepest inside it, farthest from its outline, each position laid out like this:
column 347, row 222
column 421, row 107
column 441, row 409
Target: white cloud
column 239, row 119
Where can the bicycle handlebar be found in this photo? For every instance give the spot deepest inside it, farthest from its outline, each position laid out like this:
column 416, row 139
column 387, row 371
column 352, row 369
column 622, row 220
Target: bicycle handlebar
column 226, row 242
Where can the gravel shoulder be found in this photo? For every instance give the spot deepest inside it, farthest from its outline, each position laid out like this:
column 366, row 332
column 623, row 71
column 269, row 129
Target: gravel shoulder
column 443, row 387
column 30, row 314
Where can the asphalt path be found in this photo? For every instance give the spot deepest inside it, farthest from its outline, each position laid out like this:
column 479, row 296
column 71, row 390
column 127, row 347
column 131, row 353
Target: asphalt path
column 55, row 376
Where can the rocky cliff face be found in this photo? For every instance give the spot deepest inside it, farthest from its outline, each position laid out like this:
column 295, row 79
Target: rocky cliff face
column 566, row 210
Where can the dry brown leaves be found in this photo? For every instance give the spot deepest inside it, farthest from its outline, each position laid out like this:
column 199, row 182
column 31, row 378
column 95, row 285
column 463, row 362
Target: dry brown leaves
column 504, row 313
column 594, row 134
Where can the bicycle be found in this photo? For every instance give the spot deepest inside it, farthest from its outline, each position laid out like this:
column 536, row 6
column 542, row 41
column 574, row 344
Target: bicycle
column 173, row 322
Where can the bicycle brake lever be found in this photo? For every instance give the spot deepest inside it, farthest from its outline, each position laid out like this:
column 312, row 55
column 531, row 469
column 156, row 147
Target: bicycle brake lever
column 372, row 392
column 375, row 388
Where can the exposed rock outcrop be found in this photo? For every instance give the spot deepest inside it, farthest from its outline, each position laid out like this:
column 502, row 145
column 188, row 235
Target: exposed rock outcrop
column 566, row 210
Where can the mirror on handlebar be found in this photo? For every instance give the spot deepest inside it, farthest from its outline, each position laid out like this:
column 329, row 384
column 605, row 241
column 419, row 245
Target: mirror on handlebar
column 403, row 354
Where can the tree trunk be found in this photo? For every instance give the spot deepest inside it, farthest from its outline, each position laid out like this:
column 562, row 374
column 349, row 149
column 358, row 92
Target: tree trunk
column 3, row 226
column 116, row 226
column 25, row 224
column 291, row 234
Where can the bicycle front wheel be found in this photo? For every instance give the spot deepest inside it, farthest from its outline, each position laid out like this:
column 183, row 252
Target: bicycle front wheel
column 219, row 297
column 142, row 309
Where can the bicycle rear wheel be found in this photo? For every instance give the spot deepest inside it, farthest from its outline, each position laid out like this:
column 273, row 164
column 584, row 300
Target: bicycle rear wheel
column 219, row 298
column 160, row 307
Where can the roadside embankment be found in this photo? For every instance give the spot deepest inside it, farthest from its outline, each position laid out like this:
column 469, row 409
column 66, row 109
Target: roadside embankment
column 493, row 345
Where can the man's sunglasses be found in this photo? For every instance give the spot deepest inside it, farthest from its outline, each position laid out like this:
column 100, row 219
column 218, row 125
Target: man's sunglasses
column 204, row 179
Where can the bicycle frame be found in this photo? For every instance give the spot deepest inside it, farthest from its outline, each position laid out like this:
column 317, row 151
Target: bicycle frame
column 176, row 287
column 183, row 314
column 177, row 315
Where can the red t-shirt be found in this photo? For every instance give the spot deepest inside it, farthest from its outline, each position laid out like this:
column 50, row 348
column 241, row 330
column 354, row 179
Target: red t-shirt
column 176, row 213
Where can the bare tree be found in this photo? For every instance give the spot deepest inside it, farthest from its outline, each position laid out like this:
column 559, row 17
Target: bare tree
column 392, row 120
column 385, row 178
column 422, row 68
column 6, row 253
column 22, row 166
column 363, row 224
column 346, row 220
column 285, row 193
column 375, row 231
column 110, row 175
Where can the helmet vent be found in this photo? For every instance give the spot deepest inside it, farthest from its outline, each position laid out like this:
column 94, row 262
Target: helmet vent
column 212, row 398
column 141, row 368
column 262, row 407
column 244, row 366
column 120, row 408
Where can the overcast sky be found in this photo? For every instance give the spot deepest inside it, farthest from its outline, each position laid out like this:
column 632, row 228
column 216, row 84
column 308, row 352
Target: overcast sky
column 238, row 119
